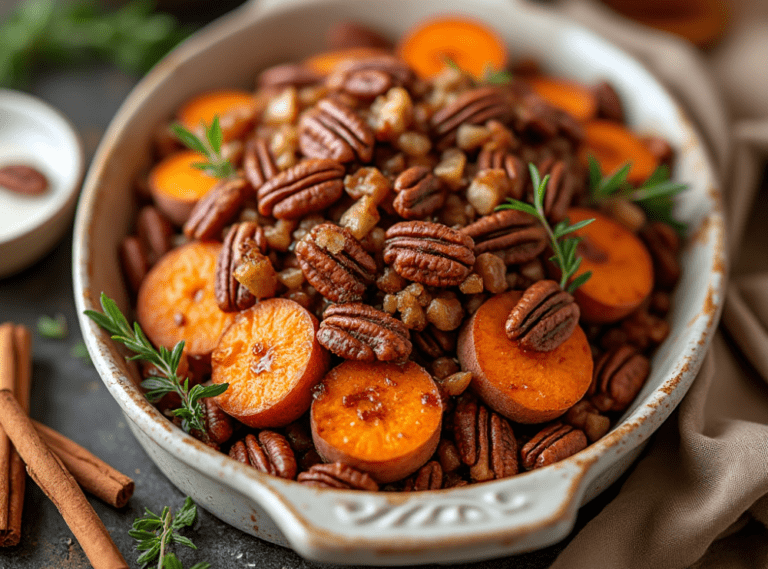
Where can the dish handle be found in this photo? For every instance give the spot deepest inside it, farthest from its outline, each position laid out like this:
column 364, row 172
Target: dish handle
column 486, row 520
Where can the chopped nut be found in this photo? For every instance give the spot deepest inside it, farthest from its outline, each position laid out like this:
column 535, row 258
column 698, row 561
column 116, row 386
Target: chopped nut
column 389, row 304
column 367, row 182
column 443, row 367
column 390, row 282
column 501, row 137
column 374, row 241
column 411, row 312
column 473, row 284
column 488, row 189
column 310, row 95
column 300, row 297
column 361, row 217
column 414, row 143
column 445, row 313
column 283, row 144
column 282, row 109
column 306, row 225
column 493, row 272
column 420, row 293
column 291, row 278
column 456, row 383
column 256, row 273
column 448, row 455
column 533, row 270
column 450, row 169
column 391, row 113
column 279, row 235
column 470, row 136
column 595, row 426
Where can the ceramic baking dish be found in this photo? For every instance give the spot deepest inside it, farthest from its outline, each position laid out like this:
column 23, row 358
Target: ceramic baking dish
column 498, row 518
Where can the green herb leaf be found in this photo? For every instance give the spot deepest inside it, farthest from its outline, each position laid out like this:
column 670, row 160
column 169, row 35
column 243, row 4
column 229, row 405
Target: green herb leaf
column 216, row 166
column 166, row 361
column 493, row 76
column 564, row 247
column 54, row 328
column 189, row 139
column 172, row 562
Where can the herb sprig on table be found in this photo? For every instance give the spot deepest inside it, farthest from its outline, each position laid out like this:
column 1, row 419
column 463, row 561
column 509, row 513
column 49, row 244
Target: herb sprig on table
column 166, row 361
column 654, row 196
column 564, row 247
column 52, row 32
column 155, row 534
column 54, row 328
column 210, row 147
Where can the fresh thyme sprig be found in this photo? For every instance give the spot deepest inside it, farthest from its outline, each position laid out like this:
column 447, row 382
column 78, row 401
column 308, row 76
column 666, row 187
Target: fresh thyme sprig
column 166, row 361
column 210, row 147
column 564, row 247
column 154, row 534
column 54, row 328
column 654, row 195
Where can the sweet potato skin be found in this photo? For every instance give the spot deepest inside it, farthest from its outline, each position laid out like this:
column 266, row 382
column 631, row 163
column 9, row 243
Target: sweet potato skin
column 379, row 417
column 271, row 360
column 524, row 386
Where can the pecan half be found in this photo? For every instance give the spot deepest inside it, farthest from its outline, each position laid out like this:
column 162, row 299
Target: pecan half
column 663, row 244
column 372, row 76
column 23, row 179
column 287, row 75
column 429, row 253
column 218, row 424
column 543, row 318
column 515, row 234
column 269, row 453
column 216, row 209
column 356, row 331
column 419, row 193
column 338, row 475
column 608, row 102
column 232, row 296
column 155, row 232
column 552, row 444
column 428, row 477
column 433, row 343
column 258, row 164
column 484, row 439
column 309, row 186
column 335, row 263
column 332, row 130
column 472, row 107
column 617, row 378
column 516, row 170
column 133, row 261
column 560, row 189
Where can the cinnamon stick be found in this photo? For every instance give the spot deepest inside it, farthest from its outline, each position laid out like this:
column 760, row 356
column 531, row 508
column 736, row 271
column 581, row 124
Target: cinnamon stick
column 7, row 381
column 93, row 474
column 59, row 486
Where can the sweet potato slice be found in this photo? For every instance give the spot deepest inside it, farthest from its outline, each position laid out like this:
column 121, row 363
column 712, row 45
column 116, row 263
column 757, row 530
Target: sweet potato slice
column 381, row 418
column 622, row 268
column 176, row 300
column 236, row 111
column 571, row 97
column 525, row 386
column 271, row 360
column 176, row 185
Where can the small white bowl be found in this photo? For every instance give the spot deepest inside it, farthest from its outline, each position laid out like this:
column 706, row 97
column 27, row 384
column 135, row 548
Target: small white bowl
column 479, row 521
column 35, row 134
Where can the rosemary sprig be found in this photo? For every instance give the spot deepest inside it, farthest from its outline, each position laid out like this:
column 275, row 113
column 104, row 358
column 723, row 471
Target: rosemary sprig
column 655, row 195
column 564, row 247
column 490, row 76
column 154, row 534
column 166, row 361
column 210, row 147
column 54, row 328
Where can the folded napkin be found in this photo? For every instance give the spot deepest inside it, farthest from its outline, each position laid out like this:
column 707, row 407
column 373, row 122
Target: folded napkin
column 699, row 495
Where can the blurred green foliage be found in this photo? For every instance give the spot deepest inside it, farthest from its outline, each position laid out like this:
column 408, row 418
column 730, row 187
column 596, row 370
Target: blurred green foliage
column 49, row 32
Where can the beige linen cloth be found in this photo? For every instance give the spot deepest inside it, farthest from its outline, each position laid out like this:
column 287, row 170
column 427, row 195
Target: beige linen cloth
column 699, row 495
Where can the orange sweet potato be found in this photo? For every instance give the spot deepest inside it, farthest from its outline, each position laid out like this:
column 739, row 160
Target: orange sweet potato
column 571, row 97
column 379, row 417
column 271, row 360
column 614, row 145
column 525, row 386
column 622, row 269
column 325, row 62
column 472, row 45
column 176, row 300
column 176, row 185
column 236, row 111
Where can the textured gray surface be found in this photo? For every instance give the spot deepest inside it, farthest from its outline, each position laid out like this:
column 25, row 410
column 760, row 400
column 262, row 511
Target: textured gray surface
column 69, row 396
